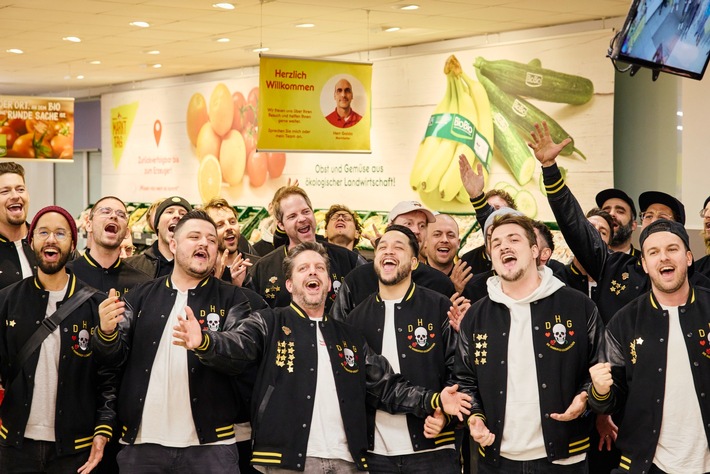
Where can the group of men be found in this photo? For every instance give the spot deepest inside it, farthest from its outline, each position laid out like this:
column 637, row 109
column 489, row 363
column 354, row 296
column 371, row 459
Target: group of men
column 201, row 355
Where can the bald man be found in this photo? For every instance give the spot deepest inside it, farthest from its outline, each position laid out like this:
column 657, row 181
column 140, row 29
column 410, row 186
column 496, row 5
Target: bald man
column 343, row 116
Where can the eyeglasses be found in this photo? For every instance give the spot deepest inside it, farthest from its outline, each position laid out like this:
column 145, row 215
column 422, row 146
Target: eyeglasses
column 43, row 234
column 129, row 250
column 107, row 211
column 345, row 216
column 649, row 216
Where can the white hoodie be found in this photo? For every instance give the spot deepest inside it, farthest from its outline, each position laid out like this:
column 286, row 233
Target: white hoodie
column 522, row 438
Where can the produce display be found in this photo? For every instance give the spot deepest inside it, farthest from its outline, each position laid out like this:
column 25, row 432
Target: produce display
column 223, row 133
column 34, row 138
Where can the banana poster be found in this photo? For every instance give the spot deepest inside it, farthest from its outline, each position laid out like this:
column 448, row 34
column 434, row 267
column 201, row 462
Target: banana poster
column 314, row 105
column 246, row 132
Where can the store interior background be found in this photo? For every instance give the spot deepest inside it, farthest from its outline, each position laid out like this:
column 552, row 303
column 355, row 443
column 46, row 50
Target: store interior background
column 660, row 131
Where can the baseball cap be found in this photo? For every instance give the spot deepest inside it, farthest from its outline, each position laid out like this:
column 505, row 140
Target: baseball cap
column 611, row 193
column 657, row 197
column 498, row 213
column 405, row 207
column 664, row 225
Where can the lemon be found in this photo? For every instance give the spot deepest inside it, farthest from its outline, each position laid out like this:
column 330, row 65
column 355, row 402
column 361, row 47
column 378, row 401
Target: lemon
column 209, row 178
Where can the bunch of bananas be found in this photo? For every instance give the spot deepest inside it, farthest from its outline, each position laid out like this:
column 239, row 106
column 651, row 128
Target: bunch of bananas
column 462, row 123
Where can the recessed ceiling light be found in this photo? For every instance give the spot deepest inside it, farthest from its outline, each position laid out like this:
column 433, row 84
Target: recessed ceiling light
column 222, row 40
column 391, row 29
column 157, row 66
column 153, row 52
column 140, row 24
column 14, row 51
column 72, row 39
column 80, row 77
column 409, row 7
column 305, row 25
column 224, row 5
column 95, row 62
column 260, row 50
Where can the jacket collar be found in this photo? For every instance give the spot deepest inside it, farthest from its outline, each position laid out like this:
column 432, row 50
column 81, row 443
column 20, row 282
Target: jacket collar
column 202, row 283
column 94, row 263
column 657, row 305
column 299, row 311
column 71, row 286
column 407, row 296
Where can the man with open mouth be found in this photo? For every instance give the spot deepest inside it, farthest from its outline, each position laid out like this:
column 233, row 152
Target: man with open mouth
column 16, row 257
column 175, row 412
column 656, row 363
column 59, row 405
column 157, row 260
column 524, row 352
column 315, row 375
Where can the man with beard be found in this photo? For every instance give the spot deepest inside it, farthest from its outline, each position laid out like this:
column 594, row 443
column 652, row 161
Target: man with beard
column 59, row 406
column 157, row 260
column 362, row 282
column 175, row 412
column 619, row 276
column 342, row 227
column 623, row 211
column 422, row 351
column 657, row 364
column 294, row 214
column 523, row 355
column 314, row 372
column 101, row 265
column 16, row 257
column 236, row 254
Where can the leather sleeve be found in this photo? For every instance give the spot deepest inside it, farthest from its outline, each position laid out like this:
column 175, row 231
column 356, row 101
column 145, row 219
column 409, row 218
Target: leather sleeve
column 343, row 303
column 614, row 354
column 464, row 372
column 581, row 236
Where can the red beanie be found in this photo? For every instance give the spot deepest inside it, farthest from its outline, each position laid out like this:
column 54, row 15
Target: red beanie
column 59, row 210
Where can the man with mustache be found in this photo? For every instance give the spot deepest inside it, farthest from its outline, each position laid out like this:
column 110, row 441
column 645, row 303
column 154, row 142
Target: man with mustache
column 59, row 406
column 623, row 211
column 174, row 410
column 16, row 257
column 408, row 325
column 315, row 375
column 657, row 363
column 157, row 260
column 523, row 354
column 101, row 265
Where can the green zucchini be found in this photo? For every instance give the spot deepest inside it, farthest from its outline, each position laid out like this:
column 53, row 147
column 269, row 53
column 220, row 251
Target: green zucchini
column 526, row 203
column 531, row 80
column 513, row 149
column 525, row 115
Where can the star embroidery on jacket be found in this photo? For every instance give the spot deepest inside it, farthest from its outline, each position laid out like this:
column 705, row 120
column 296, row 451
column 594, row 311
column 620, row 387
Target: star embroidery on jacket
column 639, row 341
column 11, row 323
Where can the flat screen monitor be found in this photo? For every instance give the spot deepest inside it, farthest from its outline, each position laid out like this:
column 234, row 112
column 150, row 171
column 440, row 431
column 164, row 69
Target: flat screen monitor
column 666, row 35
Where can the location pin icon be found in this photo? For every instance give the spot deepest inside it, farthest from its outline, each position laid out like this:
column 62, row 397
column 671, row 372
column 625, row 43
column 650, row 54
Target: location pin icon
column 157, row 131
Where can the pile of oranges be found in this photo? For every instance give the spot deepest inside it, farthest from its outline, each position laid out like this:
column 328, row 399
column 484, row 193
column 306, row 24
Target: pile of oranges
column 223, row 133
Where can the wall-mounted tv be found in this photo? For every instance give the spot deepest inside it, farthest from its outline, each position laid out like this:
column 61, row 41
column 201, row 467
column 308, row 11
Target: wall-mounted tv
column 670, row 36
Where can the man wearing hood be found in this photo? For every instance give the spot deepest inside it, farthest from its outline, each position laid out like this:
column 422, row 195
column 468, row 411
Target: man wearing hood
column 523, row 355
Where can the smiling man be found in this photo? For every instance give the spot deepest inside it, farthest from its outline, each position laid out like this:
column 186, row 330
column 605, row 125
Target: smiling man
column 423, row 353
column 513, row 346
column 157, row 260
column 59, row 406
column 656, row 365
column 174, row 410
column 623, row 212
column 101, row 265
column 315, row 375
column 442, row 243
column 16, row 257
column 342, row 226
column 294, row 214
column 343, row 116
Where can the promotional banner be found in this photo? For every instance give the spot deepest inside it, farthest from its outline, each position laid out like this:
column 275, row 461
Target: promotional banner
column 37, row 128
column 199, row 140
column 314, row 105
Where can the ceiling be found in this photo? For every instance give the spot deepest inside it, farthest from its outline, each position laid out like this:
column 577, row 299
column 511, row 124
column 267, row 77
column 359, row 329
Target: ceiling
column 184, row 32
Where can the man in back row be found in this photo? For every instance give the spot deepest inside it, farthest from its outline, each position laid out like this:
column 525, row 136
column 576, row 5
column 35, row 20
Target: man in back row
column 16, row 256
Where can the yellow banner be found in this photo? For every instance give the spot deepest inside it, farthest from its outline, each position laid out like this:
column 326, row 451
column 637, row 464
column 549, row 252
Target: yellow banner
column 314, row 105
column 37, row 128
